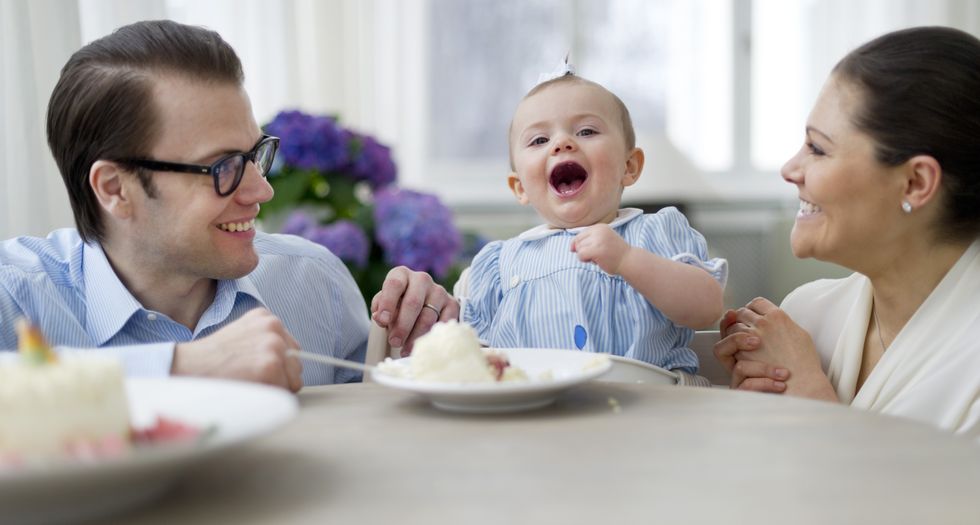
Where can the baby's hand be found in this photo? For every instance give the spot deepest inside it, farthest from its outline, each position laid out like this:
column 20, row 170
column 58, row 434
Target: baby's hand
column 601, row 245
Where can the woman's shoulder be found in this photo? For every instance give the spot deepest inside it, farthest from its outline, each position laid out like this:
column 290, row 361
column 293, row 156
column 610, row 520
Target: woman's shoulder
column 823, row 294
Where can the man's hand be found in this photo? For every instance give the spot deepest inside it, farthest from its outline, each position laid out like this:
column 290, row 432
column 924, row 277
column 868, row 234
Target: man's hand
column 252, row 348
column 408, row 304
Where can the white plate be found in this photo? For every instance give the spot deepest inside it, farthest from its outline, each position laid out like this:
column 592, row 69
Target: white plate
column 75, row 491
column 566, row 369
column 628, row 370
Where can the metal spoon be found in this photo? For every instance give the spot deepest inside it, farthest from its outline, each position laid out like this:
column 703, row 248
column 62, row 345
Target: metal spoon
column 329, row 360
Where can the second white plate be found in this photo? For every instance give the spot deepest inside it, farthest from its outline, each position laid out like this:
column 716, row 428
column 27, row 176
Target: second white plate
column 550, row 371
column 72, row 491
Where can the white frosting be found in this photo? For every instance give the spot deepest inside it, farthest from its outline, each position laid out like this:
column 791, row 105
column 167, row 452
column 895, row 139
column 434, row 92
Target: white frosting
column 450, row 352
column 44, row 409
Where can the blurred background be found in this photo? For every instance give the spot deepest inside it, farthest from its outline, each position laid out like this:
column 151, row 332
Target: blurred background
column 719, row 91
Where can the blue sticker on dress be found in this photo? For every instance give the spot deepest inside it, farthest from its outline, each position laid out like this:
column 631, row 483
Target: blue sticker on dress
column 580, row 336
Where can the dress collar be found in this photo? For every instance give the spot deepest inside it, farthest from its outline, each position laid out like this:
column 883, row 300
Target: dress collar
column 540, row 232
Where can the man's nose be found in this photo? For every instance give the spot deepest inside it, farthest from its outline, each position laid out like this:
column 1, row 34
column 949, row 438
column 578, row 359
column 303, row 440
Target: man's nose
column 254, row 187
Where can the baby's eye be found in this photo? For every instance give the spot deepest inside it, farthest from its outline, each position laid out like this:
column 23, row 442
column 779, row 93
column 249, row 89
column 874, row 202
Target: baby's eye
column 587, row 131
column 537, row 141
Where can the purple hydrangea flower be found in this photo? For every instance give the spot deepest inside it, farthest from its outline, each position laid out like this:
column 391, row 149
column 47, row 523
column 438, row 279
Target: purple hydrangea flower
column 311, row 142
column 374, row 164
column 345, row 239
column 416, row 230
column 298, row 223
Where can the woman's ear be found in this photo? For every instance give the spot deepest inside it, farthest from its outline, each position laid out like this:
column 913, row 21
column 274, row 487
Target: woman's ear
column 923, row 180
column 515, row 186
column 634, row 167
column 107, row 180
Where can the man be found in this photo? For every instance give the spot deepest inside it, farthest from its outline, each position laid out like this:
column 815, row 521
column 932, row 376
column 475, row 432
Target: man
column 165, row 168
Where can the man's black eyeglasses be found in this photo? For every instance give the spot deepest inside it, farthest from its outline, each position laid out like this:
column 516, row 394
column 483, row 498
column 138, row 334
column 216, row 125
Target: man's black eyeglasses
column 227, row 171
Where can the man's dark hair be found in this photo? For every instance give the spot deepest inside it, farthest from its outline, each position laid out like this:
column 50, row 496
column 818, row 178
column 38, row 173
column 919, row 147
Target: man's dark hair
column 102, row 106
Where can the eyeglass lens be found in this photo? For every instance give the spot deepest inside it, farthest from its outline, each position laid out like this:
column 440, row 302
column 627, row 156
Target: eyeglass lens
column 228, row 173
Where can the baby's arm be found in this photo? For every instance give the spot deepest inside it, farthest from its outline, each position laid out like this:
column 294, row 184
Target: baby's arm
column 689, row 296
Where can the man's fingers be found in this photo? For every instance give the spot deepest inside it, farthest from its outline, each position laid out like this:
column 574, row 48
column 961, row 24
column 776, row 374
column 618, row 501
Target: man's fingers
column 438, row 306
column 294, row 372
column 450, row 311
column 412, row 302
column 385, row 304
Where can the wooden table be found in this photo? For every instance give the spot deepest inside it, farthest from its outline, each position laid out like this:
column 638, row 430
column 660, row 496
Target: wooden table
column 366, row 454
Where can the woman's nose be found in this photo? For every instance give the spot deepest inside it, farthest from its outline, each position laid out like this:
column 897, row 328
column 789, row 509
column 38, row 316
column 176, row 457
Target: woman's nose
column 791, row 170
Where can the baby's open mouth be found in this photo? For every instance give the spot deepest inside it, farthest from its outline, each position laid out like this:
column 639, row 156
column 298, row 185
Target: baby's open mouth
column 567, row 178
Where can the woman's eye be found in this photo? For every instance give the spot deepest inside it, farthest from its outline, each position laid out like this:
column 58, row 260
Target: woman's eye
column 814, row 149
column 537, row 141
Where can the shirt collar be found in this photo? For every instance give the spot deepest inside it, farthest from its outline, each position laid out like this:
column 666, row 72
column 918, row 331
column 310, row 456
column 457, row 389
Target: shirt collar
column 540, row 232
column 110, row 305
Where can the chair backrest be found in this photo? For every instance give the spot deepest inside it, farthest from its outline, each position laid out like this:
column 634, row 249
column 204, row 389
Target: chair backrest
column 703, row 345
column 377, row 347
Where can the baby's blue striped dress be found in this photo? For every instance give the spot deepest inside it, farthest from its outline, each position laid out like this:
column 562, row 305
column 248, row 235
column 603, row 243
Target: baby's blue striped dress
column 532, row 291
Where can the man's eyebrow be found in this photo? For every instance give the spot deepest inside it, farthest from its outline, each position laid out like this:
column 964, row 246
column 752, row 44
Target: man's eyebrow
column 811, row 129
column 221, row 152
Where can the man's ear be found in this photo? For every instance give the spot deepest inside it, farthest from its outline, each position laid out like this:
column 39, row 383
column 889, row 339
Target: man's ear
column 515, row 186
column 108, row 182
column 923, row 180
column 634, row 167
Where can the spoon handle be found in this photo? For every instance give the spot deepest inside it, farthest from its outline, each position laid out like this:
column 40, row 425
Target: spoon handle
column 330, row 360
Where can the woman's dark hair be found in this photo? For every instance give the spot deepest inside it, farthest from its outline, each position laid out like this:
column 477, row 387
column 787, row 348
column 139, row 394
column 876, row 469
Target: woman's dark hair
column 102, row 106
column 920, row 89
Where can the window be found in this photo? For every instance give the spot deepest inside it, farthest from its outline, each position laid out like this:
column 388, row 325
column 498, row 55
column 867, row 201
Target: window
column 669, row 60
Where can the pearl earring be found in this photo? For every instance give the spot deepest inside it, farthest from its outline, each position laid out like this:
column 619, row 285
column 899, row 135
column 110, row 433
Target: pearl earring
column 907, row 206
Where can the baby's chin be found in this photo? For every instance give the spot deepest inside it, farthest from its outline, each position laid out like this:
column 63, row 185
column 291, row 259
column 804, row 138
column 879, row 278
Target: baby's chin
column 560, row 221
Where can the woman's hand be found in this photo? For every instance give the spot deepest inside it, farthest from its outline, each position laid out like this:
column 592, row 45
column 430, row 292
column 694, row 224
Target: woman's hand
column 761, row 345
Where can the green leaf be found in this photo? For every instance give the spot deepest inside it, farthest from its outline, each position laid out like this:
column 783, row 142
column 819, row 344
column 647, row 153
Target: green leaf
column 290, row 186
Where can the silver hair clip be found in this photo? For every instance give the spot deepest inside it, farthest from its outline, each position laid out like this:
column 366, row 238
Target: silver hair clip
column 564, row 68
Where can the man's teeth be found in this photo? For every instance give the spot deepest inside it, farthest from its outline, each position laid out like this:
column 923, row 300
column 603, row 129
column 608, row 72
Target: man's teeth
column 237, row 226
column 807, row 208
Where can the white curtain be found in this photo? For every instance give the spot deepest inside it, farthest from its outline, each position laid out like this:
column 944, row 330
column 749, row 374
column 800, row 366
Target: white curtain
column 36, row 38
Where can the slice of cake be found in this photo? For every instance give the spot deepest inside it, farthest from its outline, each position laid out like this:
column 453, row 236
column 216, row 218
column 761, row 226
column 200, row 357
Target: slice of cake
column 450, row 353
column 55, row 406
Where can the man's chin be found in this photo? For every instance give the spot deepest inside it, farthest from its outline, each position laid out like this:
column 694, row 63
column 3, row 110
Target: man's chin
column 238, row 270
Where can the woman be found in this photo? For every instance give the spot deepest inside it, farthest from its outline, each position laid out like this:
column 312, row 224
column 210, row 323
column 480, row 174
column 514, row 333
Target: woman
column 889, row 186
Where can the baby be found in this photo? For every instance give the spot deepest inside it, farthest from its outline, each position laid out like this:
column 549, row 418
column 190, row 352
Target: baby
column 593, row 277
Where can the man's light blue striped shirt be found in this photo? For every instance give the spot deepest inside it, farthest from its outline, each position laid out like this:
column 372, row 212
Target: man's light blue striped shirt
column 533, row 291
column 69, row 289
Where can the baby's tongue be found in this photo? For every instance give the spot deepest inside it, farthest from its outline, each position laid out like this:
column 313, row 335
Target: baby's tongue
column 568, row 186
